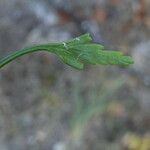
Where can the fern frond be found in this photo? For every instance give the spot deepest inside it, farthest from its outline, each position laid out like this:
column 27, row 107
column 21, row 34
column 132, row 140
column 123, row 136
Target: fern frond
column 76, row 53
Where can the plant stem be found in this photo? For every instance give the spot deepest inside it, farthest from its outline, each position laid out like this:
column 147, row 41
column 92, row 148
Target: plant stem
column 47, row 47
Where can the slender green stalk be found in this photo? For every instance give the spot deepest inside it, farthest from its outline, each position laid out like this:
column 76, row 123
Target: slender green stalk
column 12, row 56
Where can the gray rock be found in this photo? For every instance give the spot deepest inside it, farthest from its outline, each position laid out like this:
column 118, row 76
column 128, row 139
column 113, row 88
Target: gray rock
column 141, row 56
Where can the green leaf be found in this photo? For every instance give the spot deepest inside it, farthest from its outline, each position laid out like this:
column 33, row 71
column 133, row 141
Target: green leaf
column 76, row 53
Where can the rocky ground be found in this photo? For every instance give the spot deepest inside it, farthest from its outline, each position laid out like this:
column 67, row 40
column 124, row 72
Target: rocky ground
column 47, row 105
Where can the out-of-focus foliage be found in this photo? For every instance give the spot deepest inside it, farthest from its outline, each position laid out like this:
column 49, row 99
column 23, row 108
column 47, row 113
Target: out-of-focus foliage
column 136, row 142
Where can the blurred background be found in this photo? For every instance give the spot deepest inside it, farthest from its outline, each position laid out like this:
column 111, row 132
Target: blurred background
column 46, row 105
